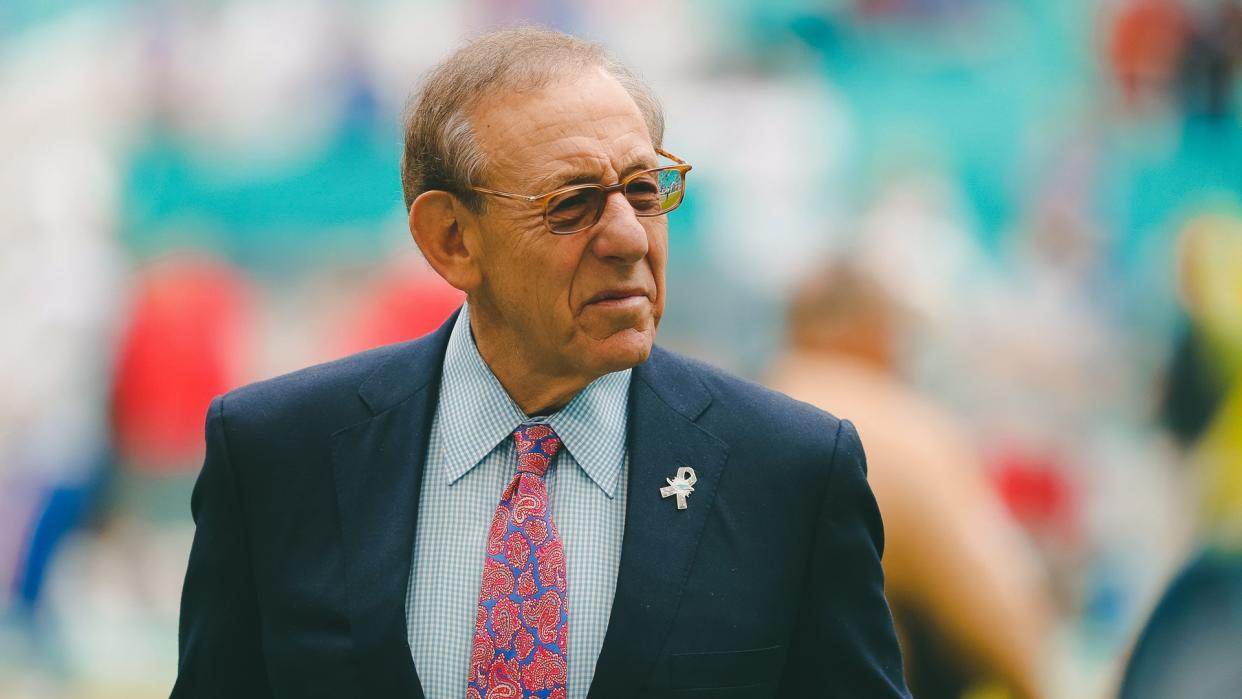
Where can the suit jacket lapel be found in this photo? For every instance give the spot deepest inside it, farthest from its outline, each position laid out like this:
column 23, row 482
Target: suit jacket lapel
column 378, row 469
column 660, row 541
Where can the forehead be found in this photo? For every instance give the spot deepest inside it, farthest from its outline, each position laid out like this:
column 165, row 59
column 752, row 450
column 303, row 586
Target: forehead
column 582, row 127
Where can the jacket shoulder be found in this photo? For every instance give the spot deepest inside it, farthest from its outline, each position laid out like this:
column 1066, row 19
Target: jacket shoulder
column 734, row 398
column 774, row 440
column 324, row 395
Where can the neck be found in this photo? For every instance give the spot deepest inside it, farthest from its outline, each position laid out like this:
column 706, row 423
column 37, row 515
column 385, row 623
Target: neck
column 535, row 389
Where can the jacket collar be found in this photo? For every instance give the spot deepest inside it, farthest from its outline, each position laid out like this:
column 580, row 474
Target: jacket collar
column 660, row 541
column 378, row 471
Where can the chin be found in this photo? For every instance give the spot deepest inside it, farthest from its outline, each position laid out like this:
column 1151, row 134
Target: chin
column 624, row 350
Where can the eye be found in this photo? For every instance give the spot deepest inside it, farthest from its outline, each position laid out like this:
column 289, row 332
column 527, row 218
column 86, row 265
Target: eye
column 574, row 210
column 643, row 193
column 643, row 185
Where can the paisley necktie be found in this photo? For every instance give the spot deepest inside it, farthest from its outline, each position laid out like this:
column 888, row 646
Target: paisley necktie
column 522, row 618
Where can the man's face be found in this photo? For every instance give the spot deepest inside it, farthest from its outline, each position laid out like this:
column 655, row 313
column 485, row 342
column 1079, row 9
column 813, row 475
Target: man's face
column 586, row 303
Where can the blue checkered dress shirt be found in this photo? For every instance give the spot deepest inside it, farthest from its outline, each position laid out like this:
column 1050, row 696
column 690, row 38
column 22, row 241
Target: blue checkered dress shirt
column 470, row 459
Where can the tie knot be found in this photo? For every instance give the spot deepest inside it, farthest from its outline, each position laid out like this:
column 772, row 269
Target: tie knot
column 537, row 444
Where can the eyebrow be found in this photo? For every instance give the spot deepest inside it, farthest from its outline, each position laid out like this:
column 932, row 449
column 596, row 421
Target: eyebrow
column 571, row 178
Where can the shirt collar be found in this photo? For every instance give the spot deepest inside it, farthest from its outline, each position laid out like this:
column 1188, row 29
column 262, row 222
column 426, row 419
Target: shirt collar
column 476, row 414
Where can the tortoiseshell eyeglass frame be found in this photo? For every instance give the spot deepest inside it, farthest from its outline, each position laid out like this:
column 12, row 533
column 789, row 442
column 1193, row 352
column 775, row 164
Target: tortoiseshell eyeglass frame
column 682, row 167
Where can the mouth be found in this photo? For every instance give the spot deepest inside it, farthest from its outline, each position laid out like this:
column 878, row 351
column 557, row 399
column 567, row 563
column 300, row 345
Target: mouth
column 621, row 297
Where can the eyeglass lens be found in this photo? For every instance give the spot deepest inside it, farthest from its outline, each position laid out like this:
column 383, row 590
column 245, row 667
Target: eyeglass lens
column 651, row 193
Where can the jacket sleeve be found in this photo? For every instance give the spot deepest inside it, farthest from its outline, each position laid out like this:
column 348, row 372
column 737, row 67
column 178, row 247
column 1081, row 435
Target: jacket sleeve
column 220, row 649
column 845, row 644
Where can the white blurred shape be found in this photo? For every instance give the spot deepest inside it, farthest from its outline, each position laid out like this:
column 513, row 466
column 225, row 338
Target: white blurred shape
column 404, row 39
column 257, row 76
column 768, row 157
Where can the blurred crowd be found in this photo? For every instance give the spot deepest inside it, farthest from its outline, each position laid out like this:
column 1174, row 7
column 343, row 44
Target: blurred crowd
column 1003, row 237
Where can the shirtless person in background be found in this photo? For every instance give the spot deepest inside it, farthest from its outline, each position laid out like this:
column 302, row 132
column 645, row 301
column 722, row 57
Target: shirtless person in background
column 959, row 576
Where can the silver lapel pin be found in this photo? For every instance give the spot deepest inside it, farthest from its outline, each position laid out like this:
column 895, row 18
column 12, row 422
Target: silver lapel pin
column 681, row 486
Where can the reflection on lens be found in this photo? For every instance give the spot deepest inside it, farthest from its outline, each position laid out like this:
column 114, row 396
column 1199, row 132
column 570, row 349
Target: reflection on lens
column 672, row 187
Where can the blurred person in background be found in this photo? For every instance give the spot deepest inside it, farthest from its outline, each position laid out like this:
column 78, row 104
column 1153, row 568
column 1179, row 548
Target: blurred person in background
column 1189, row 645
column 349, row 540
column 970, row 602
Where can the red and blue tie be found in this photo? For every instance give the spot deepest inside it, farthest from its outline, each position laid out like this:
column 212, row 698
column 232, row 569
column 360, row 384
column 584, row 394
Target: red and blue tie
column 522, row 618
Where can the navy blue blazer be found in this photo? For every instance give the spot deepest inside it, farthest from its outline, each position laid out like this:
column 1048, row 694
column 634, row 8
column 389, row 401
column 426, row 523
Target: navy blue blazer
column 767, row 585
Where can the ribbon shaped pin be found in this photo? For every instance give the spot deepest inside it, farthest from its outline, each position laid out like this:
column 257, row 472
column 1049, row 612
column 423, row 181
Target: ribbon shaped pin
column 681, row 486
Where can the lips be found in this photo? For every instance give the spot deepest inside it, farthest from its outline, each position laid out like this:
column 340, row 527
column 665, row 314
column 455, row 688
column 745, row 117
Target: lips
column 617, row 294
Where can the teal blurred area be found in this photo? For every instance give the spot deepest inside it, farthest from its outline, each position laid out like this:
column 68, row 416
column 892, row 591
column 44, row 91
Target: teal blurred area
column 197, row 194
column 338, row 193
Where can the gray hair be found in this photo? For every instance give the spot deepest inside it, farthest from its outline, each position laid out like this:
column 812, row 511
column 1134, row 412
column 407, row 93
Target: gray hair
column 440, row 148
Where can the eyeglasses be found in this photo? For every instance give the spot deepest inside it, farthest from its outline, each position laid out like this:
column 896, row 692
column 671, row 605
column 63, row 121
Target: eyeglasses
column 653, row 192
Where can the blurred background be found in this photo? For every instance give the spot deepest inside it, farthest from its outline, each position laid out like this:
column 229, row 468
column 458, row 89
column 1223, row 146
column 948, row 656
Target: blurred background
column 1005, row 237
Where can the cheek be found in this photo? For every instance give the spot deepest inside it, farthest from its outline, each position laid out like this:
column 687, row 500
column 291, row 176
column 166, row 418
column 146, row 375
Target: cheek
column 522, row 259
column 657, row 255
column 551, row 273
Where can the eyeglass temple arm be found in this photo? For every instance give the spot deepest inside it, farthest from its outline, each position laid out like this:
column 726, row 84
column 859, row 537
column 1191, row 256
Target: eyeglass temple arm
column 670, row 156
column 507, row 195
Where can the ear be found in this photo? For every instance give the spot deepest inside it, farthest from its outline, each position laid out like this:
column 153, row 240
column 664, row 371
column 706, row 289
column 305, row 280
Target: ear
column 439, row 224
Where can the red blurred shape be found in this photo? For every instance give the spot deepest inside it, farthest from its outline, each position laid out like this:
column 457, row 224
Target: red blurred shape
column 1145, row 44
column 186, row 341
column 408, row 301
column 1035, row 491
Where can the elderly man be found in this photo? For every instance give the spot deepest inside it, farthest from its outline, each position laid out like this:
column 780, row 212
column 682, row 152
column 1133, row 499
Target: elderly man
column 534, row 500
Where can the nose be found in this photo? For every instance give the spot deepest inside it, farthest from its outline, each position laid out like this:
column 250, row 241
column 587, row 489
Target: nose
column 619, row 235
